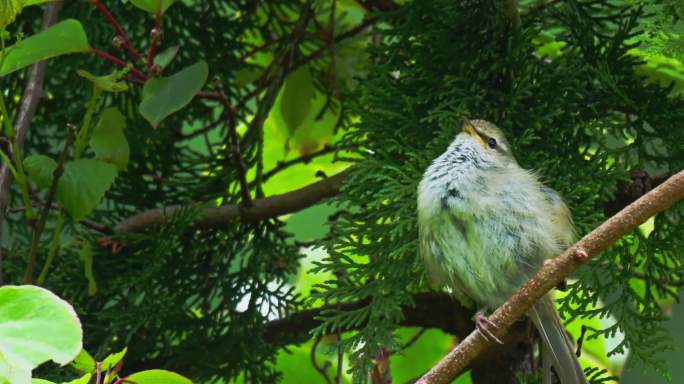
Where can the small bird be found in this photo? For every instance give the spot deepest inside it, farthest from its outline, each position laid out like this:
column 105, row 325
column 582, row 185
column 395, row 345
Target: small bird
column 486, row 225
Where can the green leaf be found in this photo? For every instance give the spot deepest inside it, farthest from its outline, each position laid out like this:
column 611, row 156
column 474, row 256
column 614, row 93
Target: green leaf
column 83, row 184
column 84, row 362
column 85, row 379
column 42, row 381
column 113, row 359
column 165, row 58
column 65, row 37
column 12, row 374
column 158, row 376
column 108, row 140
column 40, row 169
column 153, row 6
column 37, row 326
column 165, row 95
column 295, row 101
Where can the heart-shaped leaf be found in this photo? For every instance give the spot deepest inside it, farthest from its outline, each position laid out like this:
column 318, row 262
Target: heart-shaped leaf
column 108, row 140
column 36, row 326
column 40, row 169
column 165, row 95
column 65, row 37
column 158, row 376
column 83, row 184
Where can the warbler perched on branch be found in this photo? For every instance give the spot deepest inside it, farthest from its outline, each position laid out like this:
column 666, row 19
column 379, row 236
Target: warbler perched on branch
column 486, row 225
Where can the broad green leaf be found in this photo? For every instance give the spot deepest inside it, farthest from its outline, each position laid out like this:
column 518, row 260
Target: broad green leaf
column 165, row 58
column 165, row 95
column 153, row 6
column 13, row 374
column 108, row 140
column 158, row 376
column 108, row 83
column 85, row 379
column 113, row 359
column 65, row 37
column 83, row 184
column 40, row 169
column 37, row 326
column 295, row 101
column 42, row 381
column 84, row 362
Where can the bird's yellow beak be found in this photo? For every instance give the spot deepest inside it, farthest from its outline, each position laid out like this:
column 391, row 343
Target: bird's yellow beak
column 469, row 128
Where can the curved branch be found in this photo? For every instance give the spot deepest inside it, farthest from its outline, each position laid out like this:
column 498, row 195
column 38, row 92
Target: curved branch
column 261, row 209
column 554, row 271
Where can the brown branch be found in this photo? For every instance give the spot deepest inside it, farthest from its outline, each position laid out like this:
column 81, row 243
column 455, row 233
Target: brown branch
column 29, row 103
column 118, row 62
column 431, row 310
column 261, row 209
column 40, row 224
column 119, row 31
column 554, row 271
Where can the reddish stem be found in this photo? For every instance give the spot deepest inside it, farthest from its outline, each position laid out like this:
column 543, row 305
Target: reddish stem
column 119, row 31
column 118, row 62
column 156, row 36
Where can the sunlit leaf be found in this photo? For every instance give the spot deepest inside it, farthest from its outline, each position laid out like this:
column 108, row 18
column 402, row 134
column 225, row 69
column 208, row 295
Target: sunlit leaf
column 65, row 37
column 165, row 95
column 85, row 379
column 37, row 326
column 158, row 376
column 113, row 359
column 84, row 362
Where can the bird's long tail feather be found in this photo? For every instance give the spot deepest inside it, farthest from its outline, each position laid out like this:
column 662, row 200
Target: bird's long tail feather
column 557, row 346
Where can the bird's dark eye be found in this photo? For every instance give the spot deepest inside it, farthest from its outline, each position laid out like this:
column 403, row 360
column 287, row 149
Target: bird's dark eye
column 491, row 142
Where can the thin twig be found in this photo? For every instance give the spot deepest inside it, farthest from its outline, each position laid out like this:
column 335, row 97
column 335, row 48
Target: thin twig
column 217, row 217
column 118, row 62
column 40, row 224
column 156, row 38
column 303, row 159
column 119, row 31
column 554, row 271
column 235, row 152
column 413, row 340
column 322, row 370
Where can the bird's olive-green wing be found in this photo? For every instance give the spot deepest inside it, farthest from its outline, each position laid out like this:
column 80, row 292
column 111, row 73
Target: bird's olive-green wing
column 561, row 218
